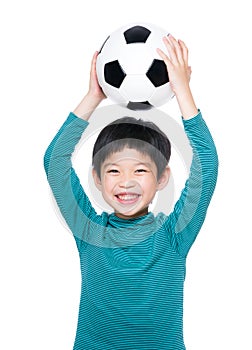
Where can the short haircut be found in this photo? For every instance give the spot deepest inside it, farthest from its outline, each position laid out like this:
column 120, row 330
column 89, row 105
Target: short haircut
column 143, row 136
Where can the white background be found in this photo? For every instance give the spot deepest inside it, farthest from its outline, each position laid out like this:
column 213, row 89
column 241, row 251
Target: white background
column 46, row 48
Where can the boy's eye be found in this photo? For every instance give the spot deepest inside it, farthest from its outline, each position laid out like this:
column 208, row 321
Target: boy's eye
column 141, row 171
column 113, row 171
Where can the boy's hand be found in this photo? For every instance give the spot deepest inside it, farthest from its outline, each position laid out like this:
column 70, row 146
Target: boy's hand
column 94, row 96
column 95, row 91
column 177, row 63
column 179, row 74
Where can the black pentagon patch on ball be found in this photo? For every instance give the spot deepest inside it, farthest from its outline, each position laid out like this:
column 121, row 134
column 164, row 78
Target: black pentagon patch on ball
column 136, row 34
column 114, row 74
column 157, row 73
column 139, row 105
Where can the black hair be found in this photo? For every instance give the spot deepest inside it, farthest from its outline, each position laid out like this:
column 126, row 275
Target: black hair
column 144, row 136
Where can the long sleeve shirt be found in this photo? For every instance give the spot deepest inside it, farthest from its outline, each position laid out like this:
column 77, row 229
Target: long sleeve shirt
column 133, row 271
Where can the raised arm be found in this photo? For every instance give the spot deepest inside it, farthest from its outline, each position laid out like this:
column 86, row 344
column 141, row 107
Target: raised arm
column 65, row 185
column 190, row 210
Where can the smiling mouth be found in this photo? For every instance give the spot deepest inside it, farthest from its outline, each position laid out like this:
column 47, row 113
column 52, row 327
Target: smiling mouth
column 127, row 198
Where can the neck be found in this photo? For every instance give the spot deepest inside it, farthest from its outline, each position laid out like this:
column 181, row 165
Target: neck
column 132, row 216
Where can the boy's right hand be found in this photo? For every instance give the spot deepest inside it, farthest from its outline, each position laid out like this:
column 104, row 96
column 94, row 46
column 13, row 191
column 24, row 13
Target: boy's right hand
column 94, row 96
column 95, row 91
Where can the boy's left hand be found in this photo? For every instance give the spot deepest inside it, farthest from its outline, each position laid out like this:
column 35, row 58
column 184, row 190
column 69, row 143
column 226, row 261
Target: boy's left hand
column 177, row 63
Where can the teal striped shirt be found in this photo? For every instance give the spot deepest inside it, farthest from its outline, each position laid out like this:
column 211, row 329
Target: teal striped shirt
column 133, row 271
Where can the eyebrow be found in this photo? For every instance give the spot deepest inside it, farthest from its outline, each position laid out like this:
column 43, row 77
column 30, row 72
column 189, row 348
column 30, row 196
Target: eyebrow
column 147, row 164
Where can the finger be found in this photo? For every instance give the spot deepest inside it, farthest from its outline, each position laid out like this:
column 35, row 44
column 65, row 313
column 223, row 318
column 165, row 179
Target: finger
column 184, row 50
column 169, row 36
column 177, row 48
column 170, row 48
column 92, row 75
column 166, row 60
column 93, row 63
column 189, row 72
column 163, row 55
column 94, row 59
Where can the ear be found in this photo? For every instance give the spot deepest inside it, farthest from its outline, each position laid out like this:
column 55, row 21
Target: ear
column 164, row 179
column 97, row 179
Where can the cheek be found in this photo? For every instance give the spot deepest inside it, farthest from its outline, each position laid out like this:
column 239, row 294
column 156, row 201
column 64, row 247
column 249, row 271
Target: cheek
column 108, row 183
column 150, row 183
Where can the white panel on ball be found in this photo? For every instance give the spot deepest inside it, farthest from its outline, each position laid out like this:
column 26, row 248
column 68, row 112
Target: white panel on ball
column 135, row 59
column 137, row 88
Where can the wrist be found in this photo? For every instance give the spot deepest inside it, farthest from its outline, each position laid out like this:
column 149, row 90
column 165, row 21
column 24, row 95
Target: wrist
column 182, row 91
column 93, row 99
column 186, row 103
column 87, row 105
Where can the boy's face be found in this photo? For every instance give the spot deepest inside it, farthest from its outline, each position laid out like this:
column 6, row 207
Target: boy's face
column 129, row 182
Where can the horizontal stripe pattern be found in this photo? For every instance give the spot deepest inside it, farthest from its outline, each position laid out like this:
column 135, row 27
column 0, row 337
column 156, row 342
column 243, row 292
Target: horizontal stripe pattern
column 132, row 271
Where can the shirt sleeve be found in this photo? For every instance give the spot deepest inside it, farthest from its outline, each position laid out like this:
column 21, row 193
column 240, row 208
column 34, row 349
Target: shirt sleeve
column 189, row 213
column 71, row 199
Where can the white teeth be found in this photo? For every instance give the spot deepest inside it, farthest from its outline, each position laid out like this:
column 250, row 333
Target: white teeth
column 127, row 197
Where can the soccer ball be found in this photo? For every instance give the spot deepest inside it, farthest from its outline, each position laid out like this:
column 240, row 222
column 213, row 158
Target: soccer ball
column 129, row 69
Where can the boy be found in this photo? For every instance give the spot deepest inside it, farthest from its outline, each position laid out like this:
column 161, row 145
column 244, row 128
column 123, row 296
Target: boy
column 132, row 263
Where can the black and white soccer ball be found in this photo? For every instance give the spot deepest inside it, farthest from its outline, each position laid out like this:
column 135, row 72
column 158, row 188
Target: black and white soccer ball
column 129, row 69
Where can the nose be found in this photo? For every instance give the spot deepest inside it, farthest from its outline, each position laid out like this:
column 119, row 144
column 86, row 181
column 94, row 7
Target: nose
column 126, row 181
column 127, row 184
